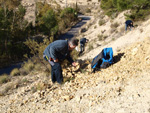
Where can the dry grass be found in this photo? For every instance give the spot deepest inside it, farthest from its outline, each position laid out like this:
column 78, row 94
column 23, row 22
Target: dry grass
column 10, row 86
column 7, row 88
column 90, row 46
column 114, row 25
column 102, row 37
column 25, row 80
column 23, row 72
column 28, row 66
column 4, row 78
column 15, row 72
column 39, row 86
column 141, row 30
column 122, row 29
column 38, row 67
column 101, row 22
column 88, row 10
column 113, row 30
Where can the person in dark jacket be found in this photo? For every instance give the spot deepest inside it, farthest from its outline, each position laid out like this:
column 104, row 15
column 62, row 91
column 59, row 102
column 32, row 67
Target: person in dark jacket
column 129, row 24
column 56, row 52
column 82, row 44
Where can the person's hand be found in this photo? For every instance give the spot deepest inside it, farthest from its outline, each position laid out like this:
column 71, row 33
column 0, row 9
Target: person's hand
column 56, row 60
column 74, row 64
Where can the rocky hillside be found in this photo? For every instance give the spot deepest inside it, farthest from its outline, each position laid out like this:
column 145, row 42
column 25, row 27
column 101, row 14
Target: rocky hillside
column 123, row 87
column 84, row 6
column 105, row 32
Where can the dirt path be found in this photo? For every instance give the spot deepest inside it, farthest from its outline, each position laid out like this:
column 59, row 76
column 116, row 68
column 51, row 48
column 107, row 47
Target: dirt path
column 74, row 31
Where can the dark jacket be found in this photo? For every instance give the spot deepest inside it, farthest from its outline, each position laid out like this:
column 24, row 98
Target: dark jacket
column 128, row 23
column 83, row 40
column 58, row 49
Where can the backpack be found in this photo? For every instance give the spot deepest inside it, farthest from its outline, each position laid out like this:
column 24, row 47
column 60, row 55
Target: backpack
column 103, row 59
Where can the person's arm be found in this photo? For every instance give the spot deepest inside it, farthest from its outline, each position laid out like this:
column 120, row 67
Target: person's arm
column 69, row 58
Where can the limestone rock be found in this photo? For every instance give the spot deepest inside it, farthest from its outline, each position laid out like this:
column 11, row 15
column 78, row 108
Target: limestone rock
column 67, row 97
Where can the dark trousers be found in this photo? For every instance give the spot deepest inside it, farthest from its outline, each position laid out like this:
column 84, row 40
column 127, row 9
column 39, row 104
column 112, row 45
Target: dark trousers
column 56, row 73
column 81, row 48
column 126, row 27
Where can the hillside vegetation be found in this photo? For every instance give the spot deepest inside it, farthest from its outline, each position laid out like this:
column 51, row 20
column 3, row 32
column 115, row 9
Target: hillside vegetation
column 123, row 87
column 139, row 8
column 47, row 22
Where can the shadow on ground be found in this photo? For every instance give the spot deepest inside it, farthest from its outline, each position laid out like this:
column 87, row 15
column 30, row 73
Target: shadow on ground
column 118, row 57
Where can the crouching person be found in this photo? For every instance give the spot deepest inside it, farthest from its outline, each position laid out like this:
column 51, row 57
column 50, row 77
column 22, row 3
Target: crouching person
column 82, row 44
column 129, row 24
column 57, row 51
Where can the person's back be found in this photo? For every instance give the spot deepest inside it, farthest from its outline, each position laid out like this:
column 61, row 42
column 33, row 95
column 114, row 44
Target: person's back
column 56, row 49
column 83, row 40
column 128, row 23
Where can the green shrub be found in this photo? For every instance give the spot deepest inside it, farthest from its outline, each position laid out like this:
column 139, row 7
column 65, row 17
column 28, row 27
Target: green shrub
column 138, row 15
column 111, row 13
column 107, row 4
column 100, row 37
column 101, row 22
column 95, row 27
column 113, row 39
column 68, row 15
column 4, row 78
column 139, row 8
column 104, row 37
column 15, row 72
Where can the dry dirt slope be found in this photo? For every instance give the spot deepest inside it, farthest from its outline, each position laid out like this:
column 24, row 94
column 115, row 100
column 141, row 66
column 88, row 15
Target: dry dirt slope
column 123, row 87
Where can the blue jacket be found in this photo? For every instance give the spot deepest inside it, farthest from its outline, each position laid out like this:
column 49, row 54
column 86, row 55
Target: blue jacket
column 82, row 40
column 128, row 23
column 58, row 49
